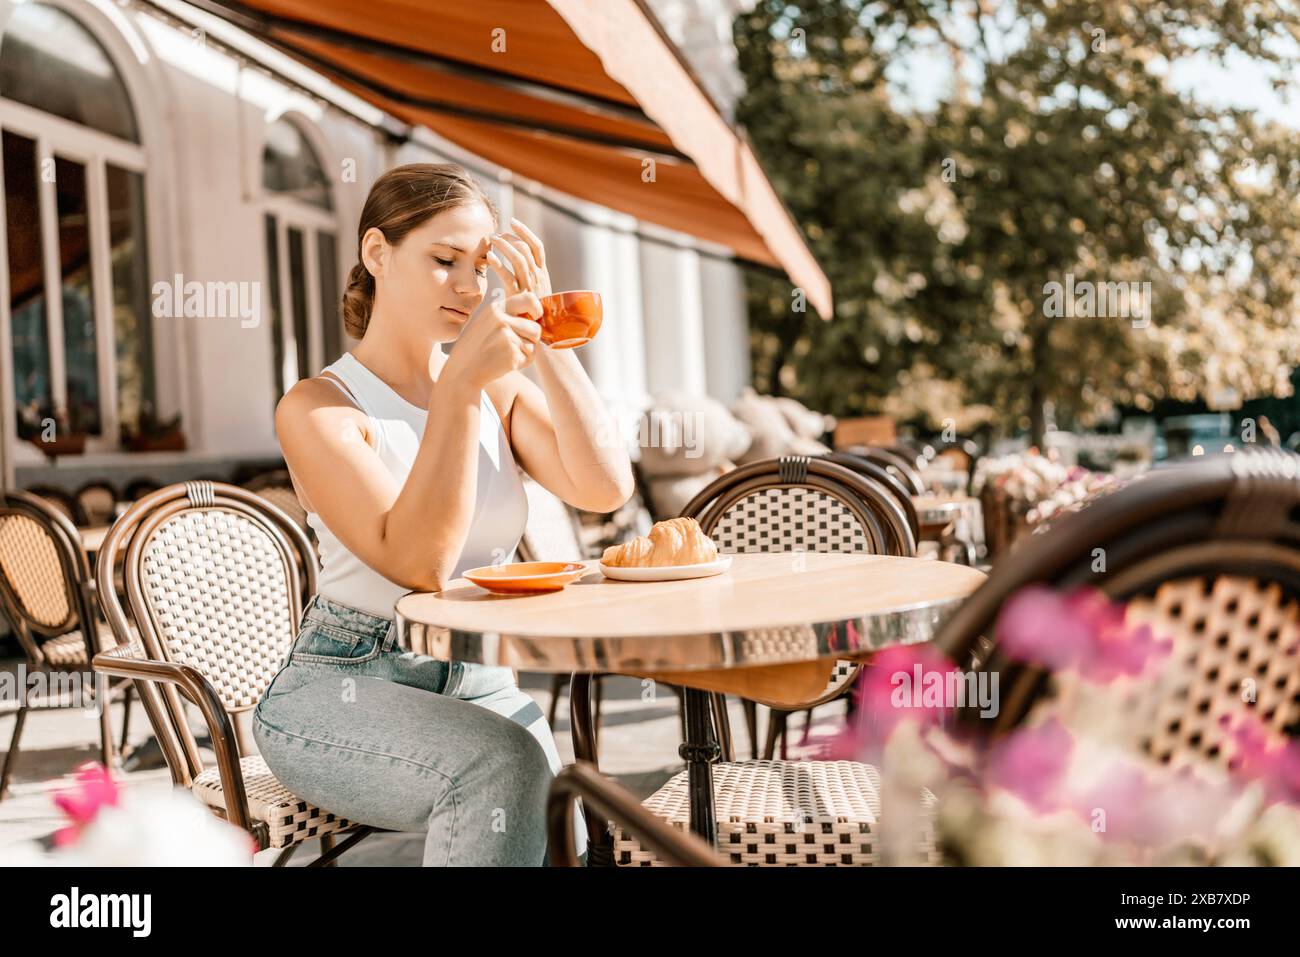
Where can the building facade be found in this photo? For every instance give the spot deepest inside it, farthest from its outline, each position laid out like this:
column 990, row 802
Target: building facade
column 181, row 207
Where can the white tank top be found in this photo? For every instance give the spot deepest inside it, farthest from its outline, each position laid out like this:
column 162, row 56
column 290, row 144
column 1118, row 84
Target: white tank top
column 500, row 505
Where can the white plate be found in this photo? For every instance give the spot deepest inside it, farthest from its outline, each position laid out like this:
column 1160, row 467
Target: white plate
column 667, row 573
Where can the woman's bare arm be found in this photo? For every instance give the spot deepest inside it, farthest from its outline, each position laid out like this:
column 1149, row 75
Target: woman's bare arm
column 565, row 438
column 561, row 433
column 412, row 534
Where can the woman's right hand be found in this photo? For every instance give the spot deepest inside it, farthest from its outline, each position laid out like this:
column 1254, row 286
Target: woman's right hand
column 497, row 340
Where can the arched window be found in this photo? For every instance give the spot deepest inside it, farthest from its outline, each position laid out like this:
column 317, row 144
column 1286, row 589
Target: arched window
column 301, row 256
column 79, row 308
column 53, row 63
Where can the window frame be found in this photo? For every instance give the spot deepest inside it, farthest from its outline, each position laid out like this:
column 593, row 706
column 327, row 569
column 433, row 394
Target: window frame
column 94, row 150
column 309, row 219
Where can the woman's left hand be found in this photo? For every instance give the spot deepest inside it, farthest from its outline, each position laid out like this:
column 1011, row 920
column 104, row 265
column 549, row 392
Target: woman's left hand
column 526, row 257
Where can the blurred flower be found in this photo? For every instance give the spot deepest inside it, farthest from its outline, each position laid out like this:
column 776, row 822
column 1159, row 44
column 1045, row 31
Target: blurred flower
column 113, row 829
column 94, row 790
column 1081, row 631
column 903, row 683
column 1037, row 626
column 1260, row 756
column 1130, row 800
column 1031, row 764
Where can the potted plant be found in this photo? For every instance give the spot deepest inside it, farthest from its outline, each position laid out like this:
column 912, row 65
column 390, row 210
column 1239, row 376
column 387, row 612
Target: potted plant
column 153, row 435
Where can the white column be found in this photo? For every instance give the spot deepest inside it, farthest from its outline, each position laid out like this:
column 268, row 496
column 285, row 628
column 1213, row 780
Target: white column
column 726, row 329
column 674, row 315
column 599, row 252
column 624, row 310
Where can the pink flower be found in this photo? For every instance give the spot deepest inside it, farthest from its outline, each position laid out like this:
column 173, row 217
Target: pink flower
column 1128, row 805
column 1031, row 764
column 902, row 683
column 1081, row 631
column 1117, row 806
column 1039, row 626
column 1260, row 756
column 95, row 788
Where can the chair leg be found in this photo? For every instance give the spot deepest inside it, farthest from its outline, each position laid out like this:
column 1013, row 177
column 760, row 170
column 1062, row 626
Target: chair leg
column 807, row 727
column 108, row 751
column 282, row 858
column 327, row 845
column 127, row 699
column 722, row 726
column 600, row 846
column 600, row 696
column 352, row 839
column 557, row 685
column 775, row 728
column 751, row 725
column 20, row 720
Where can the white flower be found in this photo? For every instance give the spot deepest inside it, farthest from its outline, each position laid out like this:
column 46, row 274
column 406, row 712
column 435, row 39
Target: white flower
column 169, row 829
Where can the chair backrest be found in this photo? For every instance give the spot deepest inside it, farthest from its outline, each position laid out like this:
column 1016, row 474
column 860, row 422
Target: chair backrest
column 277, row 488
column 910, row 453
column 795, row 503
column 213, row 575
column 63, row 500
column 897, row 465
column 552, row 533
column 137, row 489
column 97, row 500
column 45, row 578
column 1208, row 553
column 889, row 480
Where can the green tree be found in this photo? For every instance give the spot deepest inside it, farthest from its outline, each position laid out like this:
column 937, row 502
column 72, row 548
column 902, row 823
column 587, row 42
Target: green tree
column 1054, row 145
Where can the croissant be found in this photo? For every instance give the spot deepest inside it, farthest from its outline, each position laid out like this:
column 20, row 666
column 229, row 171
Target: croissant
column 677, row 541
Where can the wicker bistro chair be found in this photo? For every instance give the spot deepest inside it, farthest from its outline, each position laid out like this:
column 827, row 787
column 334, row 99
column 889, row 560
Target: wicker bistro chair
column 212, row 579
column 763, row 511
column 886, row 478
column 608, row 800
column 277, row 488
column 49, row 596
column 97, row 499
column 1208, row 553
column 62, row 500
column 785, row 504
column 897, row 465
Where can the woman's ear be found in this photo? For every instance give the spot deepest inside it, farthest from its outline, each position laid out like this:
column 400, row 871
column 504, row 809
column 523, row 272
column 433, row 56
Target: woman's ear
column 374, row 251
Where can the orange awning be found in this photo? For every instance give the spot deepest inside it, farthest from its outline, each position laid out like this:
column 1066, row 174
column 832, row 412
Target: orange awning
column 585, row 96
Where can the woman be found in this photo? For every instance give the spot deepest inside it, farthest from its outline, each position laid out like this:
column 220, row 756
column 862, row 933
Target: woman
column 405, row 459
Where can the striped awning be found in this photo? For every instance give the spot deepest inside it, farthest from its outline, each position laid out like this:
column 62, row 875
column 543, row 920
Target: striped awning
column 585, row 96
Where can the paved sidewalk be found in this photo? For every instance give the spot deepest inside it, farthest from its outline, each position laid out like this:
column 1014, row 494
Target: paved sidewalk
column 638, row 748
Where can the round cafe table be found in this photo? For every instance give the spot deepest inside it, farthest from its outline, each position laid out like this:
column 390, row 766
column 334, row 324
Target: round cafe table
column 769, row 629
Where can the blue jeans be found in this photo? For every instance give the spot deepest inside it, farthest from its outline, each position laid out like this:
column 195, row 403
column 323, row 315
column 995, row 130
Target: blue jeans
column 381, row 736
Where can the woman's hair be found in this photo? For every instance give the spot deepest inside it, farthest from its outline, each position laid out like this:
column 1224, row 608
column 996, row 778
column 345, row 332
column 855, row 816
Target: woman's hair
column 402, row 199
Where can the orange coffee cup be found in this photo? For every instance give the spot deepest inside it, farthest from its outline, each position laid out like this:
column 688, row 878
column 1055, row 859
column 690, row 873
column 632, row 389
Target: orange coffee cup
column 570, row 318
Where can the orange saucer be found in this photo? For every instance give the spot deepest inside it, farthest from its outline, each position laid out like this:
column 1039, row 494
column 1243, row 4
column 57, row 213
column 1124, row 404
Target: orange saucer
column 523, row 578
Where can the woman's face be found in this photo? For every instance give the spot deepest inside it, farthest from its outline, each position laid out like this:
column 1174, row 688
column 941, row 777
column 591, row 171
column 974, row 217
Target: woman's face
column 437, row 275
